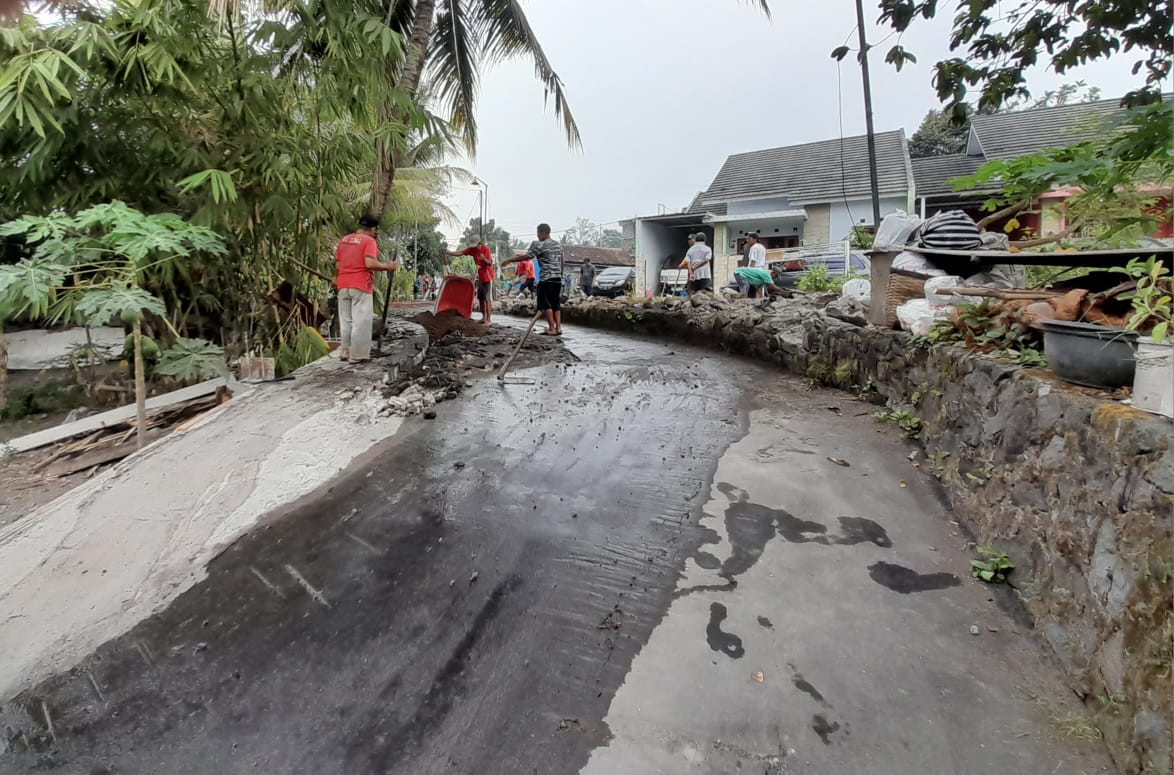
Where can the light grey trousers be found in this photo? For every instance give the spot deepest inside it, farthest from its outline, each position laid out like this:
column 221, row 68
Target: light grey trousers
column 356, row 318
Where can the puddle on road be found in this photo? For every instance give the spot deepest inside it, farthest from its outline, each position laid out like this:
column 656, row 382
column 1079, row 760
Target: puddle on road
column 724, row 642
column 905, row 580
column 825, row 729
column 749, row 527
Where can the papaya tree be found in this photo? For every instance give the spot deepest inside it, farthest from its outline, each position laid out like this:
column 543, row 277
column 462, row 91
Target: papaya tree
column 94, row 265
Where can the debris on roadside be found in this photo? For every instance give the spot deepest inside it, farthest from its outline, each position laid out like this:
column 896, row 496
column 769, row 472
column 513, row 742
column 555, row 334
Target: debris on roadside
column 612, row 621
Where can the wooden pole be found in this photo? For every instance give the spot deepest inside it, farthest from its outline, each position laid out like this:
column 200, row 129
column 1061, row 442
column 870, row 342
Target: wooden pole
column 871, row 136
column 140, row 385
column 506, row 366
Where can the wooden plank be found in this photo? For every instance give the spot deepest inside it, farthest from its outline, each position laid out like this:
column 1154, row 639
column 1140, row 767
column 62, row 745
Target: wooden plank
column 97, row 457
column 117, row 416
column 880, row 266
column 67, row 449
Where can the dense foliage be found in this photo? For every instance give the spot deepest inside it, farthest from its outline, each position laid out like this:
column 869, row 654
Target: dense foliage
column 998, row 42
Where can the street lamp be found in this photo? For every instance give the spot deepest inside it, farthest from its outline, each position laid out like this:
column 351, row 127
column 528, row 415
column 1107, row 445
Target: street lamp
column 483, row 195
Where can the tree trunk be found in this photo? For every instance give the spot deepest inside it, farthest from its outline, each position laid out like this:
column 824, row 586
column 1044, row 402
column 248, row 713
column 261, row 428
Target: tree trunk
column 409, row 81
column 1014, row 209
column 140, row 385
column 3, row 370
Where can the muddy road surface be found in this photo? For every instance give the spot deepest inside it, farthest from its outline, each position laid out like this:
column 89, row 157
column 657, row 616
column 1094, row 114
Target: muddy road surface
column 646, row 561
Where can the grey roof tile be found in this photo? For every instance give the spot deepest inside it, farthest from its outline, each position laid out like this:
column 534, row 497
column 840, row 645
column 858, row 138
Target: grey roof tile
column 932, row 174
column 811, row 172
column 1010, row 135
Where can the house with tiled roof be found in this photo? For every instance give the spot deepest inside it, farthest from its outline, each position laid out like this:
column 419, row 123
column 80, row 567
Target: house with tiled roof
column 806, row 195
column 1002, row 136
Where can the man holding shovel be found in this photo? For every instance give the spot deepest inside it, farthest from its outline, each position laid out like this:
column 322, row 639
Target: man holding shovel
column 549, row 255
column 358, row 260
column 483, row 257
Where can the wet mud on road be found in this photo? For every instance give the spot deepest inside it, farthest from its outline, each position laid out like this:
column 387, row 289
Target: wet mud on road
column 469, row 601
column 648, row 561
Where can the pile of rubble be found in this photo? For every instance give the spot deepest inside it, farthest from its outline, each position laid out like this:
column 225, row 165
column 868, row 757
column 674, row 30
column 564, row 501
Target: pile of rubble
column 461, row 350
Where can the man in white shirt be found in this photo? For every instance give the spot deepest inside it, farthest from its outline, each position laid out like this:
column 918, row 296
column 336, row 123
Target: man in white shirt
column 757, row 255
column 700, row 257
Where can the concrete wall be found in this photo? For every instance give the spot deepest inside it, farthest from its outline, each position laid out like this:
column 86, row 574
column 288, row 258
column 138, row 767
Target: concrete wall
column 37, row 349
column 765, row 205
column 766, row 227
column 817, row 230
column 861, row 210
column 653, row 242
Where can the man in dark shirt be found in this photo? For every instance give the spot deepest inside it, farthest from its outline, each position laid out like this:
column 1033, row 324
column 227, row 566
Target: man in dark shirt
column 587, row 276
column 549, row 255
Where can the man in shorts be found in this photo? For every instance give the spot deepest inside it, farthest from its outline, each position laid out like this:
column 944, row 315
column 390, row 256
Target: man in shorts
column 549, row 255
column 700, row 257
column 525, row 277
column 483, row 257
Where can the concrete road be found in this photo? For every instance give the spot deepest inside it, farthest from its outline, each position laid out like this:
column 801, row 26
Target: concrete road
column 642, row 563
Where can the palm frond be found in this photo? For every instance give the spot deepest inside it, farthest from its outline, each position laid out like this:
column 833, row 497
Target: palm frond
column 505, row 34
column 454, row 67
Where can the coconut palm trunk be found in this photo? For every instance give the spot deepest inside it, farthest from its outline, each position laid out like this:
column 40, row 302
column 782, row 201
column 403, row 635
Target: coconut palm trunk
column 409, row 81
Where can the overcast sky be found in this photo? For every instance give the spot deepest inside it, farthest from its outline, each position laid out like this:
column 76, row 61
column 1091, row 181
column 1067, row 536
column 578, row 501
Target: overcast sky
column 664, row 90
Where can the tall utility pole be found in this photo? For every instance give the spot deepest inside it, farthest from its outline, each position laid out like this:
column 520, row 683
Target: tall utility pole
column 868, row 116
column 483, row 205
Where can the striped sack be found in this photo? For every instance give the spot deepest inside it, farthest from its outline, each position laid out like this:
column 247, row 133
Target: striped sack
column 950, row 230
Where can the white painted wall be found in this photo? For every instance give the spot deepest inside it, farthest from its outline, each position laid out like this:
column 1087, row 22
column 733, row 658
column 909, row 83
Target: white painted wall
column 653, row 243
column 861, row 210
column 766, row 227
column 766, row 205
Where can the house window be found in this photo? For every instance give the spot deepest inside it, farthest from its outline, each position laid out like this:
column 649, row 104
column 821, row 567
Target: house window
column 771, row 242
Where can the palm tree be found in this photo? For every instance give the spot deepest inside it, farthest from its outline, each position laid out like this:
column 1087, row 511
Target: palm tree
column 454, row 40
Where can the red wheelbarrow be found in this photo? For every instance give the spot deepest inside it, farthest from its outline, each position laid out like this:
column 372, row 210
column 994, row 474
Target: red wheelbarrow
column 456, row 293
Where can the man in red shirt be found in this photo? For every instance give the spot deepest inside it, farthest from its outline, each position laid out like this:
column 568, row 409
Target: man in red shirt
column 358, row 260
column 485, row 276
column 525, row 275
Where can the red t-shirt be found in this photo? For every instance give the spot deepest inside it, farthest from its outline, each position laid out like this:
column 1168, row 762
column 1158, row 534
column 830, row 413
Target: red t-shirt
column 484, row 259
column 525, row 270
column 352, row 255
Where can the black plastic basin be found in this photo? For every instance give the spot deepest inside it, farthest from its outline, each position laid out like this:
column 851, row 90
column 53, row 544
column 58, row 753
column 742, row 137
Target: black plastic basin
column 1089, row 354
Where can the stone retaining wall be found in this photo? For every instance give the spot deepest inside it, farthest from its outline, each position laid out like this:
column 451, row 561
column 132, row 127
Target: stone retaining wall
column 1076, row 488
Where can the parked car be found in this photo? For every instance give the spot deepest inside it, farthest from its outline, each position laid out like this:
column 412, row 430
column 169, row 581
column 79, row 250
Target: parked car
column 614, row 281
column 787, row 273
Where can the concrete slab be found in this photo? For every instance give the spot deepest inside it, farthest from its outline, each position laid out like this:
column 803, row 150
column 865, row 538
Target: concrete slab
column 92, row 564
column 37, row 349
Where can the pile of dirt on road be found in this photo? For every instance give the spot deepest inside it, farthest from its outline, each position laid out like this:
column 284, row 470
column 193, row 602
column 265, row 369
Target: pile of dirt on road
column 448, row 322
column 486, row 353
column 451, row 363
